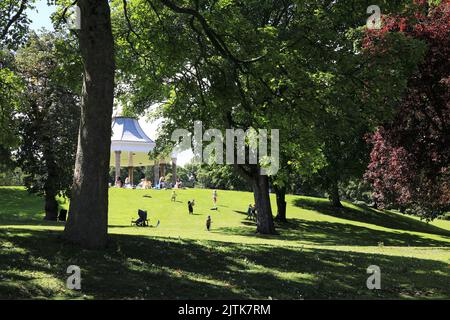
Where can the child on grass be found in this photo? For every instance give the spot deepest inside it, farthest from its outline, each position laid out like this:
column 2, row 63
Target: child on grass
column 250, row 212
column 208, row 223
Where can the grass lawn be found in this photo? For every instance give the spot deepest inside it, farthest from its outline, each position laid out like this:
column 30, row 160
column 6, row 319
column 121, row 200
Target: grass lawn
column 321, row 253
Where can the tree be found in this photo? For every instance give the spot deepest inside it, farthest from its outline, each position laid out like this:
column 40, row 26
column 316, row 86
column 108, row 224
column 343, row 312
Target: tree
column 206, row 80
column 296, row 164
column 356, row 92
column 48, row 118
column 13, row 28
column 409, row 166
column 14, row 22
column 87, row 223
column 270, row 65
column 10, row 100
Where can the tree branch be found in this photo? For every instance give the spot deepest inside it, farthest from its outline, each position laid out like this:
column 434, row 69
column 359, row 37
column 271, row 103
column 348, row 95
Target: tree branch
column 63, row 14
column 13, row 19
column 215, row 39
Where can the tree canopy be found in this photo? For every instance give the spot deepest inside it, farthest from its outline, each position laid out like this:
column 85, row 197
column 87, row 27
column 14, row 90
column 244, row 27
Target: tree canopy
column 300, row 67
column 48, row 117
column 410, row 159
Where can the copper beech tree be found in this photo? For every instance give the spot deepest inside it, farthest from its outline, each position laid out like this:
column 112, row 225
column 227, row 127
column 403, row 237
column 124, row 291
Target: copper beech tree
column 410, row 159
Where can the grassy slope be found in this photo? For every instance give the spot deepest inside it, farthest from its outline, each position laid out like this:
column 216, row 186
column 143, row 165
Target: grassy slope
column 320, row 253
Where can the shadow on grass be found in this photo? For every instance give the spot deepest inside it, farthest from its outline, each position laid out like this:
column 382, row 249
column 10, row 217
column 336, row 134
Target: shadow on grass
column 336, row 233
column 33, row 264
column 19, row 207
column 333, row 233
column 368, row 215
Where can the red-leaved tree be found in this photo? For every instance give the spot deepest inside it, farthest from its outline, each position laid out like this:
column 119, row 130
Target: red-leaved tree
column 410, row 159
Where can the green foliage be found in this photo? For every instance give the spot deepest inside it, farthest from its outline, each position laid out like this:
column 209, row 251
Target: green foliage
column 357, row 190
column 11, row 177
column 10, row 98
column 297, row 66
column 14, row 22
column 358, row 91
column 49, row 116
column 221, row 177
column 11, row 88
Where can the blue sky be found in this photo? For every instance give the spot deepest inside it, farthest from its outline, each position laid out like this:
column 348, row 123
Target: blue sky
column 40, row 16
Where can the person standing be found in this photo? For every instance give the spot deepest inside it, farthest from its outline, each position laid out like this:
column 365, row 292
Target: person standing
column 162, row 183
column 214, row 196
column 208, row 223
column 190, row 207
column 249, row 212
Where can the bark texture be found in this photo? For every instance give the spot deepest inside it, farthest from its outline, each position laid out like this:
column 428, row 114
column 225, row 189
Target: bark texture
column 265, row 223
column 87, row 223
column 281, row 204
column 334, row 195
column 51, row 206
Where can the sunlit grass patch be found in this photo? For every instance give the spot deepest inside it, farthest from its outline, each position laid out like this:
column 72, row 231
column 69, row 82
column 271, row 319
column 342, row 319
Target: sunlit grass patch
column 319, row 253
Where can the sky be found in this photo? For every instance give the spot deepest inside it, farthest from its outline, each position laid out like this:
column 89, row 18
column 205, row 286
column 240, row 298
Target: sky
column 40, row 18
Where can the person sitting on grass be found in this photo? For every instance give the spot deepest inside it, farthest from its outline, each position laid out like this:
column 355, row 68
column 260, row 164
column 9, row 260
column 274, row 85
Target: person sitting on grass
column 174, row 196
column 141, row 185
column 208, row 223
column 146, row 184
column 191, row 207
column 119, row 182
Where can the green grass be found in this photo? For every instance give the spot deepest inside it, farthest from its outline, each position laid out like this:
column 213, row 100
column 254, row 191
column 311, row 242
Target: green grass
column 321, row 253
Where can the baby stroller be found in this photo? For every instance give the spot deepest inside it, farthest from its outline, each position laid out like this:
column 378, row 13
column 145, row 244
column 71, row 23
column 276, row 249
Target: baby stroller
column 142, row 221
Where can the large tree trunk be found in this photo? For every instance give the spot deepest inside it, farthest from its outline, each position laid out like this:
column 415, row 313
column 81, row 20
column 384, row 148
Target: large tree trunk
column 262, row 200
column 281, row 204
column 87, row 224
column 51, row 206
column 334, row 194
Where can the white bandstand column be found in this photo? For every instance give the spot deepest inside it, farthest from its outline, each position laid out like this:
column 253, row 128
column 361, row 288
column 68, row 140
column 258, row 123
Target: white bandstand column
column 117, row 164
column 130, row 167
column 174, row 170
column 156, row 173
